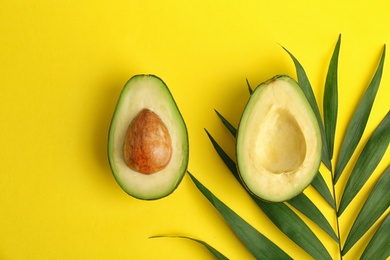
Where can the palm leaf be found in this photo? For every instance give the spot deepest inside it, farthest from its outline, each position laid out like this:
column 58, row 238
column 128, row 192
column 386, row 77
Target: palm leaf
column 294, row 227
column 302, row 203
column 249, row 87
column 225, row 158
column 375, row 205
column 359, row 120
column 305, row 85
column 368, row 160
column 284, row 218
column 215, row 252
column 378, row 247
column 228, row 125
column 331, row 99
column 259, row 245
column 319, row 184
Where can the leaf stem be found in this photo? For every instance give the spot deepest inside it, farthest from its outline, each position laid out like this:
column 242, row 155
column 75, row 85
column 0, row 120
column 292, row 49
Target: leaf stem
column 336, row 214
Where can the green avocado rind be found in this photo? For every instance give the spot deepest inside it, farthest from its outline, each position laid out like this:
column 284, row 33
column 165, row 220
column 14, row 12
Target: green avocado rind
column 243, row 154
column 156, row 186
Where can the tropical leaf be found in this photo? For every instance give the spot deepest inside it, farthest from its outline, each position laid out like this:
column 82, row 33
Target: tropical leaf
column 319, row 184
column 376, row 204
column 259, row 245
column 295, row 228
column 249, row 87
column 228, row 125
column 306, row 207
column 218, row 255
column 224, row 156
column 378, row 247
column 283, row 214
column 305, row 85
column 368, row 160
column 330, row 104
column 359, row 120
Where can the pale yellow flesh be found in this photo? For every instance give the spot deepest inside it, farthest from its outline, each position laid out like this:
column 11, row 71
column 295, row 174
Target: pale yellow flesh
column 280, row 146
column 279, row 142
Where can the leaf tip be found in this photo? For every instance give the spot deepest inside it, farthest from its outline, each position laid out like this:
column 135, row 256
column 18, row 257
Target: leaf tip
column 207, row 132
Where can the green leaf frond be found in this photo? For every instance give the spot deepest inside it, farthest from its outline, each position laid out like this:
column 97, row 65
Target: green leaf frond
column 218, row 255
column 282, row 214
column 367, row 162
column 259, row 245
column 359, row 121
column 376, row 204
column 330, row 104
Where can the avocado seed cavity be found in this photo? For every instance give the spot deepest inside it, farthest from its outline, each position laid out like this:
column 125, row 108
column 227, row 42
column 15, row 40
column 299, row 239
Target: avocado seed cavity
column 147, row 147
column 281, row 144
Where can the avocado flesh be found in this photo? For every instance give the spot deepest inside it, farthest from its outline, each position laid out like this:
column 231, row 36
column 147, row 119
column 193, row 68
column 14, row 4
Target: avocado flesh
column 278, row 141
column 148, row 93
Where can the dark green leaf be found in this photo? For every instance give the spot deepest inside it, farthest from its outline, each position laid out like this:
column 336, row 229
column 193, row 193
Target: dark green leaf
column 359, row 120
column 215, row 252
column 320, row 185
column 229, row 126
column 294, row 227
column 378, row 247
column 331, row 99
column 305, row 85
column 225, row 158
column 307, row 207
column 368, row 160
column 282, row 216
column 376, row 204
column 249, row 87
column 259, row 245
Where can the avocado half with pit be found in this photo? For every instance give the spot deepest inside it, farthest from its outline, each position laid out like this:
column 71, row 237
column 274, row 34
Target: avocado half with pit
column 148, row 141
column 278, row 141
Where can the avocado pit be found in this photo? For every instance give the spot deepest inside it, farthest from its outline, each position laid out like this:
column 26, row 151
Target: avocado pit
column 147, row 147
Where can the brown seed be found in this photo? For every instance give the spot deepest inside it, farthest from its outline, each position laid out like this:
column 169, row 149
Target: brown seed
column 147, row 147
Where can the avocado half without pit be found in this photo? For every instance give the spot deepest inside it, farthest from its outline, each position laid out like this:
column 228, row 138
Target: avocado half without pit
column 278, row 141
column 148, row 140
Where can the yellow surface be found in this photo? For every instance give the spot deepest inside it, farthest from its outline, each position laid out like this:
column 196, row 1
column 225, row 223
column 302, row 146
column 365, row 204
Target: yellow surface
column 62, row 67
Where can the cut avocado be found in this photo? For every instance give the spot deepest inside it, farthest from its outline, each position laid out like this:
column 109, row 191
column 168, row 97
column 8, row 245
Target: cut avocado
column 278, row 141
column 148, row 140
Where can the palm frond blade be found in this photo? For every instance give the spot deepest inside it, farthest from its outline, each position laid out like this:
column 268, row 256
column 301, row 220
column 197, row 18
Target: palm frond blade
column 305, row 85
column 368, row 160
column 307, row 207
column 259, row 245
column 296, row 229
column 218, row 255
column 227, row 124
column 378, row 247
column 249, row 87
column 330, row 103
column 376, row 204
column 319, row 184
column 359, row 120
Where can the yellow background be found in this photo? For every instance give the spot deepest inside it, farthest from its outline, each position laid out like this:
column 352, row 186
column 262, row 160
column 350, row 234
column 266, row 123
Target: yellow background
column 62, row 67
